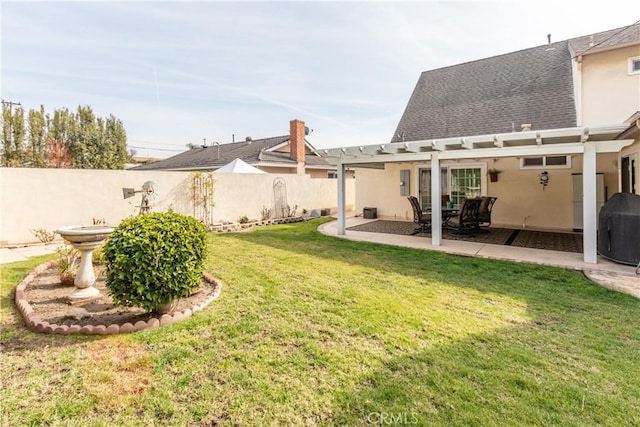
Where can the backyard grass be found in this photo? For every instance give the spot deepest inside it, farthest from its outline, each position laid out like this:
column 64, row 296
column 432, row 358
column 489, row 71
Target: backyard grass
column 314, row 330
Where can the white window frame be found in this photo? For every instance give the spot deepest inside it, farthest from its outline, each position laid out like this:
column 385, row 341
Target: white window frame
column 544, row 165
column 630, row 62
column 449, row 166
column 334, row 173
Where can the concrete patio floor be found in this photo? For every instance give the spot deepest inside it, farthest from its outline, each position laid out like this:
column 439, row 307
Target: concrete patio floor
column 614, row 276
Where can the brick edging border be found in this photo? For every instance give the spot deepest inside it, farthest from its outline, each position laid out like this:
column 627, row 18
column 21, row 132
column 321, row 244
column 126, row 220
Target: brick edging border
column 35, row 324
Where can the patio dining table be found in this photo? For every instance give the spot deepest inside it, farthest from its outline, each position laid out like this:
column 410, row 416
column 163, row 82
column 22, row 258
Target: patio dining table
column 447, row 214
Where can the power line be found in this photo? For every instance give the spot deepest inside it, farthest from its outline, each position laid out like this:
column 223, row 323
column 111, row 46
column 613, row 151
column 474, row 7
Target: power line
column 611, row 36
column 154, row 149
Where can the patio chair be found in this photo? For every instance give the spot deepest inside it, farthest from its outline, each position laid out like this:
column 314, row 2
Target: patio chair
column 484, row 213
column 466, row 222
column 422, row 220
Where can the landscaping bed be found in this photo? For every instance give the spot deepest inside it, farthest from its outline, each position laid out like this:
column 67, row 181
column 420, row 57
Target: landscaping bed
column 44, row 303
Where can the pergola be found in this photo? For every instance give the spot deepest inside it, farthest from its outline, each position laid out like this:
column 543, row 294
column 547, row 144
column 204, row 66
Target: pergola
column 584, row 141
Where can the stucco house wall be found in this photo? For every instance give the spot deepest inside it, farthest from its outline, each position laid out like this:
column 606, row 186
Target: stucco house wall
column 609, row 93
column 522, row 200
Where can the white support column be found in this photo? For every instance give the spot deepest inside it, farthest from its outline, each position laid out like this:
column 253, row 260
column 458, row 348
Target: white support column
column 341, row 200
column 589, row 207
column 436, row 202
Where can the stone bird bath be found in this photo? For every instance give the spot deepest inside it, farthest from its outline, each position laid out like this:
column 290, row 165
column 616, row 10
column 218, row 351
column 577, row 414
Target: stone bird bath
column 85, row 239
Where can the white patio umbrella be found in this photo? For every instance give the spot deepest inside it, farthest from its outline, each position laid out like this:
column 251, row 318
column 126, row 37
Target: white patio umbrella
column 238, row 166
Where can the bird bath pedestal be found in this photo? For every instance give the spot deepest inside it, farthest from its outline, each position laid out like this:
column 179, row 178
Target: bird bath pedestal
column 85, row 239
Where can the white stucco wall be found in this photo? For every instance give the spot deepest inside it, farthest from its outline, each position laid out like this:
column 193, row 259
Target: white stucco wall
column 51, row 198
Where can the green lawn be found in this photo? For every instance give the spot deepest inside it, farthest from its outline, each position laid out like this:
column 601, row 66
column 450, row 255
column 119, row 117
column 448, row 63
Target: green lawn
column 314, row 330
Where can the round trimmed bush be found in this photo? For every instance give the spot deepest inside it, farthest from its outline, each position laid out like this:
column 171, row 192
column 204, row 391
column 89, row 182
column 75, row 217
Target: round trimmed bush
column 155, row 258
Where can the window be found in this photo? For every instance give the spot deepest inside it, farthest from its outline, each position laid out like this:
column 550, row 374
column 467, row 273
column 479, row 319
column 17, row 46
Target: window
column 634, row 65
column 332, row 174
column 456, row 181
column 546, row 162
column 465, row 183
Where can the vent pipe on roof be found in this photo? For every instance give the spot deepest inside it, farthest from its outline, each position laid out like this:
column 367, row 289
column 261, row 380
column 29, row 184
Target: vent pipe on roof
column 549, row 39
column 591, row 41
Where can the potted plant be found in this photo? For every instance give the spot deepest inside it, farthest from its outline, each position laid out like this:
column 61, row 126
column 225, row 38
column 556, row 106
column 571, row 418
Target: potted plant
column 493, row 174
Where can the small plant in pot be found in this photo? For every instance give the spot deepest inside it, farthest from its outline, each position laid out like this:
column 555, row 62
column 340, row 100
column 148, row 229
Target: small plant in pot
column 493, row 174
column 154, row 259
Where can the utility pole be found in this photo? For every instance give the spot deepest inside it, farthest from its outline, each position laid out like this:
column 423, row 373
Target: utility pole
column 10, row 104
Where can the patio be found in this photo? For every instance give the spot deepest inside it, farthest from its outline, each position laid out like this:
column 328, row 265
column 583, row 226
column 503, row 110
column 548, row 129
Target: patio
column 565, row 242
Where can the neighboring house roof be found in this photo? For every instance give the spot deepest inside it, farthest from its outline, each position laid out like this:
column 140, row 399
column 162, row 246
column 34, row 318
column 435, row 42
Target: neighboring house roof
column 619, row 37
column 492, row 95
column 255, row 152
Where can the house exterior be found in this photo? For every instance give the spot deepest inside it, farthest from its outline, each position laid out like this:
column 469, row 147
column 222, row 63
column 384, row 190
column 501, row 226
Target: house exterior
column 286, row 154
column 560, row 121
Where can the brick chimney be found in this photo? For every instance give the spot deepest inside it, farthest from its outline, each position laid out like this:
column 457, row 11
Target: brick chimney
column 298, row 149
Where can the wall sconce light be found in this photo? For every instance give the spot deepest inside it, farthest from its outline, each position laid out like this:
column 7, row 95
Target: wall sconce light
column 544, row 179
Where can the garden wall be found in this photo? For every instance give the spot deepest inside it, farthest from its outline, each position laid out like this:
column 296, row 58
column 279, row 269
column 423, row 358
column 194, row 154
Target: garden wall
column 50, row 198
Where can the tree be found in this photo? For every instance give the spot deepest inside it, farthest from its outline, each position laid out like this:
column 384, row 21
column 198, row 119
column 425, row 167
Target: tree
column 36, row 153
column 58, row 139
column 116, row 139
column 13, row 131
column 79, row 140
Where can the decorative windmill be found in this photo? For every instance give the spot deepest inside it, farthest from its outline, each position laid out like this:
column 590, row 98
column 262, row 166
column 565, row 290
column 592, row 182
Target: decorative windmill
column 148, row 194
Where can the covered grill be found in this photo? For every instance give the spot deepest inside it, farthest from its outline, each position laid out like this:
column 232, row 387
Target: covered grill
column 619, row 229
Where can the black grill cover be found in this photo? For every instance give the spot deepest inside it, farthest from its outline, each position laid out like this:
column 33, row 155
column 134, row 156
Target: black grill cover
column 619, row 229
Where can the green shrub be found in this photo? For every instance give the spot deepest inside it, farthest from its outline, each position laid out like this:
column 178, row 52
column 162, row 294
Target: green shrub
column 155, row 258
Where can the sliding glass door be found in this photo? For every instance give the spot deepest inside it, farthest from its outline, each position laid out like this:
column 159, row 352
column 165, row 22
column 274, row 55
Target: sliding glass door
column 424, row 187
column 457, row 182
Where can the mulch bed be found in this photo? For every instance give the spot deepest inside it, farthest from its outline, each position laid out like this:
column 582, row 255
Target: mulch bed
column 42, row 300
column 565, row 242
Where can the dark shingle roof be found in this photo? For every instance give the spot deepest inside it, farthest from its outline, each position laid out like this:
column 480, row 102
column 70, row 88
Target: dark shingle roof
column 253, row 153
column 492, row 95
column 628, row 35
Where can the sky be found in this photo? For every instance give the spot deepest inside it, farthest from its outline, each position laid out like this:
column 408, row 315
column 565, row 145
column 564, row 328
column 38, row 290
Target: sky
column 179, row 73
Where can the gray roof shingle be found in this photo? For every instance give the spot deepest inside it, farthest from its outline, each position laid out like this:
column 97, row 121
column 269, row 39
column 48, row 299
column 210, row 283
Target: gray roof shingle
column 215, row 156
column 492, row 95
column 606, row 39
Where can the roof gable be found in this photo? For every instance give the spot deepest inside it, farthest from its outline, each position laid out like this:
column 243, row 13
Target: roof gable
column 492, row 95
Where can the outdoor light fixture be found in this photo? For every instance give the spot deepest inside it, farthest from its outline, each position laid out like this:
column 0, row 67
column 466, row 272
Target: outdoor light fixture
column 544, row 179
